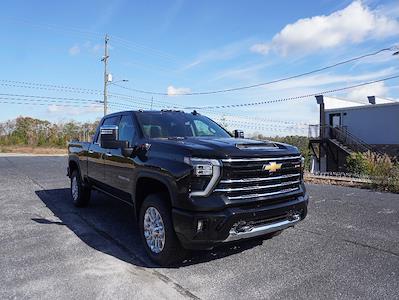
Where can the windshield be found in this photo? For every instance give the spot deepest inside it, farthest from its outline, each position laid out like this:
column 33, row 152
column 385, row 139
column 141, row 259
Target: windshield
column 176, row 124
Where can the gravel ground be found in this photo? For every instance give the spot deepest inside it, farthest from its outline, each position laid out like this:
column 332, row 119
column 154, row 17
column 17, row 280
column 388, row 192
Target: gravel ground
column 348, row 247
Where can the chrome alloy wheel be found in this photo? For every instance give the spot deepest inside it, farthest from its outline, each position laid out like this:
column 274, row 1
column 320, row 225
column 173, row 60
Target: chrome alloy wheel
column 75, row 189
column 154, row 230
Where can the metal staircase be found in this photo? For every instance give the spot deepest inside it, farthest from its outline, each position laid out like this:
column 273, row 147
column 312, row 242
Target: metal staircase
column 337, row 143
column 348, row 142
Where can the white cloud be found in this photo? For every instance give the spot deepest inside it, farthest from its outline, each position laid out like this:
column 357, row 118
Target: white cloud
column 174, row 91
column 322, row 80
column 353, row 24
column 74, row 110
column 90, row 47
column 375, row 89
column 260, row 48
column 74, row 50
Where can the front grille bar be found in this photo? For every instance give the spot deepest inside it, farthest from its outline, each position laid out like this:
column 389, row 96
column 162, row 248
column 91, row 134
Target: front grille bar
column 262, row 195
column 246, row 180
column 230, row 160
column 234, row 235
column 251, row 188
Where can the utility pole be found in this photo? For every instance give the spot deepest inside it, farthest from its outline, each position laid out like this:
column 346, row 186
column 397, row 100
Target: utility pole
column 105, row 60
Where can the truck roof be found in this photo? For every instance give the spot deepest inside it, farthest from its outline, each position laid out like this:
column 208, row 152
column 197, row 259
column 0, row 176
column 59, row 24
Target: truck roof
column 151, row 111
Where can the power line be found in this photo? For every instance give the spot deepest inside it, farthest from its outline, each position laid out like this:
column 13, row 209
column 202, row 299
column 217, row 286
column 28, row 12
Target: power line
column 41, row 102
column 126, row 88
column 69, row 89
column 265, row 123
column 296, row 97
column 265, row 127
column 52, row 98
column 47, row 85
column 392, row 48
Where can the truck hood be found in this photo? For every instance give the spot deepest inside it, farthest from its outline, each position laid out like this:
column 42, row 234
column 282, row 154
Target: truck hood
column 228, row 147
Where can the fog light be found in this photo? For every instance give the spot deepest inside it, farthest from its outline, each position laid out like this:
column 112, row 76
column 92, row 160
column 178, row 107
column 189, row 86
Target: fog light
column 201, row 225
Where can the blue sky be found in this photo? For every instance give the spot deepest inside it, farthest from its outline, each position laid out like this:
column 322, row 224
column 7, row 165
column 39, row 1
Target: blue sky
column 181, row 46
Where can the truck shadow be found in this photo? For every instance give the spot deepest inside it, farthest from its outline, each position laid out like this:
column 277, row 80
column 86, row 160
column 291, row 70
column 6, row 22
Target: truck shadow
column 108, row 225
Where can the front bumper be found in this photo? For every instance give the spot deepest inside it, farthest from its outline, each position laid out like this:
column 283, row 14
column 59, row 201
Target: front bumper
column 235, row 223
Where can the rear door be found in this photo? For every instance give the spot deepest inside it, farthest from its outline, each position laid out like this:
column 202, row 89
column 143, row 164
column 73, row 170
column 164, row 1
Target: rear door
column 119, row 170
column 96, row 155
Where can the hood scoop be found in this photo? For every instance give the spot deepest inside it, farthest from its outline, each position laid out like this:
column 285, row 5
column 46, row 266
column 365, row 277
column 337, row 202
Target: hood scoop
column 256, row 146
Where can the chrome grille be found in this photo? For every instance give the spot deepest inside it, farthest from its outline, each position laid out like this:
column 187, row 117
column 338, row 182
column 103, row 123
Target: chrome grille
column 245, row 178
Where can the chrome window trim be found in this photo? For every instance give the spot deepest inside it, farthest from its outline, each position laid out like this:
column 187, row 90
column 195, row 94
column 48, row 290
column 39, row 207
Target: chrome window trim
column 227, row 181
column 229, row 160
column 251, row 188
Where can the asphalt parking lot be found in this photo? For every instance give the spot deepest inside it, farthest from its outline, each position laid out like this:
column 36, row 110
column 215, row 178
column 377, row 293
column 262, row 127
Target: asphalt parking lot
column 348, row 247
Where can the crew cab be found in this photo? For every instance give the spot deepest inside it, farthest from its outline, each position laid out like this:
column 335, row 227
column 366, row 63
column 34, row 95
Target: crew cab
column 191, row 183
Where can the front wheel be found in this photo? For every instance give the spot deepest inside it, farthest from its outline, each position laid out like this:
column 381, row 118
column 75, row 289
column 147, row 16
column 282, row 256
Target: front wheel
column 80, row 193
column 157, row 232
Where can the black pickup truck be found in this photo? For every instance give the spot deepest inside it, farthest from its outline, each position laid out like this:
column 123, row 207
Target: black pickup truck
column 191, row 183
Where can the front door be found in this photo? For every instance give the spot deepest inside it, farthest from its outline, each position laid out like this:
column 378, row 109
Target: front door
column 335, row 121
column 95, row 164
column 119, row 170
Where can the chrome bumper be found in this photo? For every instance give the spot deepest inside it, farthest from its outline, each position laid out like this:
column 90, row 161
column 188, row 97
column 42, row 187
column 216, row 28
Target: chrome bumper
column 235, row 235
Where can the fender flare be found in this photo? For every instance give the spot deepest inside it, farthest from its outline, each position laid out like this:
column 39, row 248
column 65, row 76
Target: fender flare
column 75, row 160
column 159, row 177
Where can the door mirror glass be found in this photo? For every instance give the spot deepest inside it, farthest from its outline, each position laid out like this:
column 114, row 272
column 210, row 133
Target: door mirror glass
column 109, row 137
column 126, row 149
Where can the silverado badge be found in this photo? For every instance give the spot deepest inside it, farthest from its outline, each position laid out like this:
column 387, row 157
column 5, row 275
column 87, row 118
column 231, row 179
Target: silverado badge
column 271, row 167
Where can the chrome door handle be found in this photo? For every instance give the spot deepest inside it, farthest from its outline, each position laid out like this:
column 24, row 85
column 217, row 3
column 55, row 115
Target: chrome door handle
column 91, row 151
column 108, row 154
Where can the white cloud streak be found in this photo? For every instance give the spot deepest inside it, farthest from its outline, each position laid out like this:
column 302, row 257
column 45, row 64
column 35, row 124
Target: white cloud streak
column 175, row 91
column 74, row 50
column 56, row 109
column 321, row 80
column 351, row 25
column 361, row 93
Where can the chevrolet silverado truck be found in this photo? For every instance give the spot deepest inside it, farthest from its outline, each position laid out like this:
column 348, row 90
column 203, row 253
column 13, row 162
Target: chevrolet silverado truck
column 191, row 183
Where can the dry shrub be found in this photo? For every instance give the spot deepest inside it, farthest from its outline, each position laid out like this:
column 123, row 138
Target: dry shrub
column 381, row 169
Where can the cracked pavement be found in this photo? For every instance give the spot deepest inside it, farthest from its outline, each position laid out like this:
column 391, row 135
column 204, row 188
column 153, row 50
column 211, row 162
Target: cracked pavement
column 348, row 247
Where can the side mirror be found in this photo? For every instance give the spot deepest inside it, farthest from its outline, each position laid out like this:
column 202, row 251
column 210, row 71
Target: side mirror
column 109, row 137
column 238, row 134
column 127, row 151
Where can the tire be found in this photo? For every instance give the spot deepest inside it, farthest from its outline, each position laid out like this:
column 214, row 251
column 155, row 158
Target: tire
column 80, row 194
column 168, row 250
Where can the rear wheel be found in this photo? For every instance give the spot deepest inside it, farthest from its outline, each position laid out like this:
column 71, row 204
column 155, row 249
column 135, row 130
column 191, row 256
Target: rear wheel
column 80, row 193
column 157, row 232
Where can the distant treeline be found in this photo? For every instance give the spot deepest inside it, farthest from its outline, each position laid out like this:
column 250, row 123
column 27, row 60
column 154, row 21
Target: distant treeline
column 26, row 131
column 302, row 142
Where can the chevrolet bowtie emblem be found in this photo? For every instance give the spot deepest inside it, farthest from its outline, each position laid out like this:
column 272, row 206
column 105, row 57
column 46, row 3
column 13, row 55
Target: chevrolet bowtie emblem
column 271, row 167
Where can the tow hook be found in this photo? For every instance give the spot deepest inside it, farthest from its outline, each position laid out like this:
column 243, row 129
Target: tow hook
column 243, row 226
column 293, row 215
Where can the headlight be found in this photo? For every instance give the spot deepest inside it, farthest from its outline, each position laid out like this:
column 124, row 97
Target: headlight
column 302, row 166
column 206, row 173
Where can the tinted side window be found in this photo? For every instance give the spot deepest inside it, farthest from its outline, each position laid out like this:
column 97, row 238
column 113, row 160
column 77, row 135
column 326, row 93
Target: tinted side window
column 127, row 131
column 204, row 129
column 111, row 121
